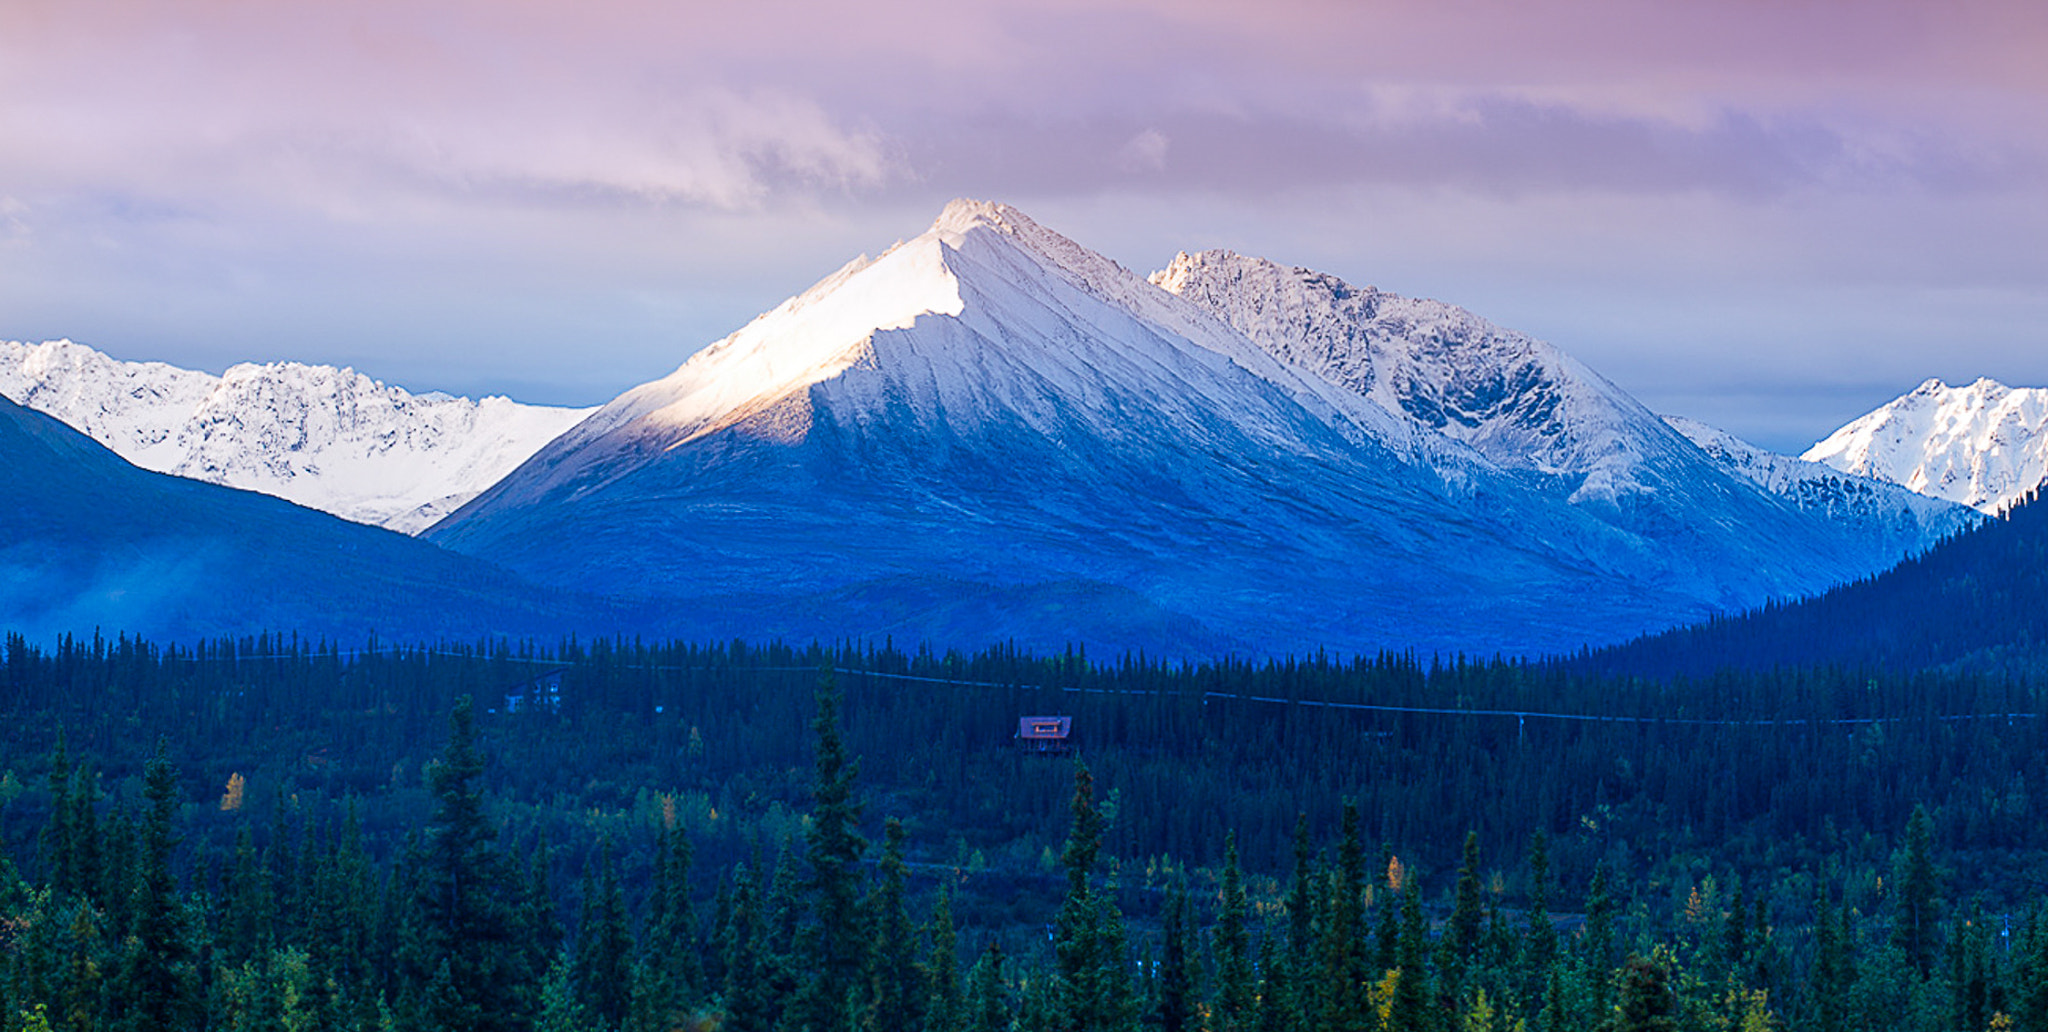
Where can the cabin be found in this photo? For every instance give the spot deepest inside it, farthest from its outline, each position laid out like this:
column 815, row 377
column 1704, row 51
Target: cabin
column 543, row 692
column 1045, row 734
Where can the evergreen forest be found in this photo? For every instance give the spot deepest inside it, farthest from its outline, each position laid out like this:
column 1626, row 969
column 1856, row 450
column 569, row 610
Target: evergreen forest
column 280, row 834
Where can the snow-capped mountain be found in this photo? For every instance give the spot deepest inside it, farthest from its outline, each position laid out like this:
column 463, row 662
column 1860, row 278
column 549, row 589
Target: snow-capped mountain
column 1844, row 498
column 327, row 438
column 1521, row 403
column 991, row 432
column 1436, row 368
column 1984, row 445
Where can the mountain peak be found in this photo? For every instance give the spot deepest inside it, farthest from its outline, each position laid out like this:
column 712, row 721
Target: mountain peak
column 965, row 213
column 1984, row 445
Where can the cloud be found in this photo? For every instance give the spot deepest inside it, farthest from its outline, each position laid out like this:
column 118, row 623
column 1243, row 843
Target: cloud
column 334, row 106
column 1145, row 152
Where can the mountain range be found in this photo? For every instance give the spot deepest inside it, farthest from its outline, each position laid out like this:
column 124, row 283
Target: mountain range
column 326, row 438
column 1231, row 454
column 992, row 433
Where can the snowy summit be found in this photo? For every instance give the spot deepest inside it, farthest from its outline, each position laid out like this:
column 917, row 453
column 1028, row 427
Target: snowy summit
column 1984, row 445
column 326, row 438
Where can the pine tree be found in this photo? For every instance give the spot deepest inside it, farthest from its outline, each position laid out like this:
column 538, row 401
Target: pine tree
column 988, row 1005
column 1090, row 990
column 832, row 943
column 946, row 1012
column 1542, row 947
column 1828, row 985
column 1916, row 916
column 468, row 949
column 897, row 993
column 59, row 839
column 1236, row 980
column 1408, row 1008
column 245, row 932
column 560, row 1009
column 751, row 1004
column 1179, row 982
column 604, row 947
column 675, row 971
column 159, row 988
column 1462, row 934
column 1345, row 979
column 1644, row 1003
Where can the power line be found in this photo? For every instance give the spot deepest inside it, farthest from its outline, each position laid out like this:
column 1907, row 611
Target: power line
column 1521, row 716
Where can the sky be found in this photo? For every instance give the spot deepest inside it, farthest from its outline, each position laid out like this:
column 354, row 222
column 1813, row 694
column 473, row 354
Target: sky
column 1772, row 215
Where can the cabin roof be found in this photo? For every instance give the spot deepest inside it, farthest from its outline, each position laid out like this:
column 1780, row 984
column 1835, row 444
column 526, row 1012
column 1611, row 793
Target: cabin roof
column 1044, row 727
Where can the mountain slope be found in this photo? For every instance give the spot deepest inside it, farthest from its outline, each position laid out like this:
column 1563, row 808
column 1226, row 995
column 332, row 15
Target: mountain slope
column 1984, row 445
column 1534, row 411
column 1978, row 601
column 1879, row 507
column 327, row 438
column 88, row 540
column 992, row 419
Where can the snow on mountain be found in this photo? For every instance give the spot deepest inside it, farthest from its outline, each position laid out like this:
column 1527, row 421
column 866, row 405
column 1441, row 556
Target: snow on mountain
column 990, row 432
column 326, row 438
column 1984, row 445
column 1521, row 403
column 1844, row 498
column 1438, row 368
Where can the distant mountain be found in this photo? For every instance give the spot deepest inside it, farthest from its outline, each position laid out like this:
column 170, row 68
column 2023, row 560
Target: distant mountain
column 1984, row 445
column 89, row 541
column 991, row 432
column 1878, row 506
column 327, row 438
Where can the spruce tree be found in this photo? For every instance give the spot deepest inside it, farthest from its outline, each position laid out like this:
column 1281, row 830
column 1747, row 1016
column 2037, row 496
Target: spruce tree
column 1828, row 981
column 897, row 993
column 1090, row 990
column 2030, row 989
column 1644, row 1000
column 674, row 968
column 988, row 1005
column 560, row 1009
column 832, row 944
column 1180, row 990
column 1542, row 942
column 750, row 1003
column 946, row 1010
column 1462, row 934
column 1916, row 917
column 245, row 921
column 1409, row 1008
column 467, row 954
column 1598, row 937
column 159, row 987
column 604, row 947
column 1344, row 981
column 1236, row 980
column 59, row 836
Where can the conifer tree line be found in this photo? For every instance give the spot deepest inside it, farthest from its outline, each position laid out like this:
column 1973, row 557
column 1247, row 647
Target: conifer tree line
column 117, row 927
